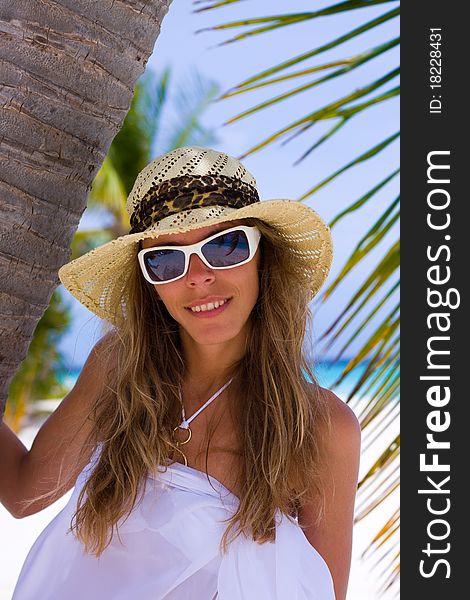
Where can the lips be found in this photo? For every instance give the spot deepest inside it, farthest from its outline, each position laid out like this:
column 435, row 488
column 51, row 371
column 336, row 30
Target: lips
column 207, row 314
column 208, row 300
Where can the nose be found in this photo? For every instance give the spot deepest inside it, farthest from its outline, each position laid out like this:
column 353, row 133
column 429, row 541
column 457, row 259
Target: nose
column 198, row 273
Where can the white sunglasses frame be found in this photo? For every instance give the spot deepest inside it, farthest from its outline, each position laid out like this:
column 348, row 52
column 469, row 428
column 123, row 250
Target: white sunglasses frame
column 253, row 236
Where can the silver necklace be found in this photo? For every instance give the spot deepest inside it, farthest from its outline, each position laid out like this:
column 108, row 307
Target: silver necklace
column 186, row 421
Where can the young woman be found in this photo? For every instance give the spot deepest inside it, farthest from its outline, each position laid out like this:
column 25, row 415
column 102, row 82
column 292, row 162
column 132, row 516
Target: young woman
column 205, row 459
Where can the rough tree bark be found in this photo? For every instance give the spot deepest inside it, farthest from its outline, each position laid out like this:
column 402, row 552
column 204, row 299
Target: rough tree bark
column 67, row 74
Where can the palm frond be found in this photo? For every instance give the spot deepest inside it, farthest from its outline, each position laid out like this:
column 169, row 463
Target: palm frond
column 327, row 112
column 361, row 158
column 331, row 111
column 366, row 320
column 380, row 274
column 215, row 5
column 389, row 369
column 385, row 459
column 346, row 64
column 370, row 239
column 363, row 199
column 320, row 50
column 387, row 417
column 275, row 21
column 345, row 115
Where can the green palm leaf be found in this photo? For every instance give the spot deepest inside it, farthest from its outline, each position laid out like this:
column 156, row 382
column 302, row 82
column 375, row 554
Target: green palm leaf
column 276, row 21
column 331, row 109
column 347, row 65
column 387, row 416
column 361, row 158
column 359, row 203
column 375, row 235
column 389, row 371
column 315, row 52
column 379, row 275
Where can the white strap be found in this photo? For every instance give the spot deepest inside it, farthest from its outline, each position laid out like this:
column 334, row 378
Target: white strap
column 185, row 422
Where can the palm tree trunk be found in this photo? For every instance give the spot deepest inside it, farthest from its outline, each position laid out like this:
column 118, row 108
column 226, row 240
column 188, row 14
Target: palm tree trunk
column 67, row 74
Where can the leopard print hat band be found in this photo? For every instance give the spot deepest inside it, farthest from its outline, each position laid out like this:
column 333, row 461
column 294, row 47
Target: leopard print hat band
column 188, row 178
column 187, row 192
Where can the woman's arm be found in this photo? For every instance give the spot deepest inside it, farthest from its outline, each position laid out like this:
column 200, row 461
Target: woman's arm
column 333, row 537
column 58, row 453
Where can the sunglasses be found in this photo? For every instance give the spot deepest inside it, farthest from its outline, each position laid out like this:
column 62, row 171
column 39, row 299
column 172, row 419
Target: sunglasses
column 223, row 250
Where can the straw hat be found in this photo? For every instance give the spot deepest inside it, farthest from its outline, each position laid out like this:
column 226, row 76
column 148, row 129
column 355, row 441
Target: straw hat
column 185, row 189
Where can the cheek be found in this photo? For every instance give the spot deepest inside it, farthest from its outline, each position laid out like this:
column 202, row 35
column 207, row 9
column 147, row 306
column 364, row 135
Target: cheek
column 167, row 295
column 250, row 285
column 157, row 293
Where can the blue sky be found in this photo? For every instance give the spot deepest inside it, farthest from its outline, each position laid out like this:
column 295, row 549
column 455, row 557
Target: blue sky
column 179, row 47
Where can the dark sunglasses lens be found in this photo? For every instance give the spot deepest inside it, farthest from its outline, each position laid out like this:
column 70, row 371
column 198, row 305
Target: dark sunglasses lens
column 227, row 249
column 163, row 265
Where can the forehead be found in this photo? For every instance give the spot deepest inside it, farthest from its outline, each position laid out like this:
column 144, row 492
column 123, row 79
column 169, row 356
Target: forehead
column 188, row 237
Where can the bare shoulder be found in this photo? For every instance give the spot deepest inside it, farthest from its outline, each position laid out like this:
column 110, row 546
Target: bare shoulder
column 345, row 427
column 102, row 352
column 341, row 413
column 98, row 363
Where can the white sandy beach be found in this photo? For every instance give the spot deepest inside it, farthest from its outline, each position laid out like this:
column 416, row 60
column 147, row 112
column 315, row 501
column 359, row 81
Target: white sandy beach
column 17, row 536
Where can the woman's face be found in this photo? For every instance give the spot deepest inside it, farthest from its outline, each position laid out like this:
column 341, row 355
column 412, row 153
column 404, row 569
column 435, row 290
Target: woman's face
column 239, row 287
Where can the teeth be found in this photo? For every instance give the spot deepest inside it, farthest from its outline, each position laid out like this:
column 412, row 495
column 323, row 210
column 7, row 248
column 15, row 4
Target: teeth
column 208, row 306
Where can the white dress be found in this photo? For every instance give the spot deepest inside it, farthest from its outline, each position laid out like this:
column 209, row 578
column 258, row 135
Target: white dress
column 170, row 550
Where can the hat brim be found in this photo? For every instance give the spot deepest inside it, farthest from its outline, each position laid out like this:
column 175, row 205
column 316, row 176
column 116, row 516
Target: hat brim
column 98, row 279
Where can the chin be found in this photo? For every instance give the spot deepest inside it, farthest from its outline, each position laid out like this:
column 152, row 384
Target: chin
column 205, row 333
column 213, row 337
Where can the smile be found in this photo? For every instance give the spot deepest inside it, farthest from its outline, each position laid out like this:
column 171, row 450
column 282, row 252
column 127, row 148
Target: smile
column 208, row 306
column 209, row 309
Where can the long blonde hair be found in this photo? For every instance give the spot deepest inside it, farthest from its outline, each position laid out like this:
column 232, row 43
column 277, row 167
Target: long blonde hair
column 279, row 413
